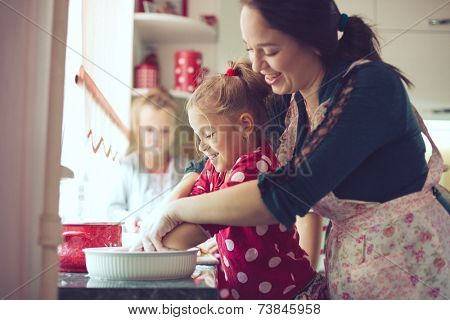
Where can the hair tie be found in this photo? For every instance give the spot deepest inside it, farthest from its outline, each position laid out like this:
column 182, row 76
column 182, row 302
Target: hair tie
column 230, row 72
column 343, row 20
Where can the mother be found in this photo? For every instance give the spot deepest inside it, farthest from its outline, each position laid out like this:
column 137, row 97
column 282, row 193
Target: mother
column 353, row 150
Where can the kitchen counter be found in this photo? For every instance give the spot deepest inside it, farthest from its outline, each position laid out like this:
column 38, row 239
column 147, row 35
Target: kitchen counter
column 78, row 286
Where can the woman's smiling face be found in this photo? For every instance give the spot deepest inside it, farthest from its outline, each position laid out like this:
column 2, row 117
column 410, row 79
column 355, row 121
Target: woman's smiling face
column 286, row 65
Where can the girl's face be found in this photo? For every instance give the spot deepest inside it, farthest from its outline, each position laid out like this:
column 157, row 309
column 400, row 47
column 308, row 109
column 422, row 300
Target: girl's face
column 221, row 139
column 287, row 66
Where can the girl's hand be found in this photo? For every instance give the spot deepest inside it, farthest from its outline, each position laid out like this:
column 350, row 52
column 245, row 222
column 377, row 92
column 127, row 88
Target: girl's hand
column 209, row 246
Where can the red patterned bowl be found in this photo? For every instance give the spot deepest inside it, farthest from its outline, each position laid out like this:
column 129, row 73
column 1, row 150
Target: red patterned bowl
column 76, row 237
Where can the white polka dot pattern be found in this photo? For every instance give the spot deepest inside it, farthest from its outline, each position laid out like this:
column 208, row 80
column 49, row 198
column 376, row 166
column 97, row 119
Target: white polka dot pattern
column 265, row 287
column 242, row 277
column 274, row 262
column 262, row 166
column 262, row 230
column 267, row 159
column 230, row 244
column 237, row 177
column 262, row 246
column 224, row 293
column 226, row 262
column 251, row 255
column 288, row 288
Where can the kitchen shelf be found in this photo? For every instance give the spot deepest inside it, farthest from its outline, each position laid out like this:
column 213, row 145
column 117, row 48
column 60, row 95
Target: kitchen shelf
column 432, row 115
column 174, row 93
column 169, row 28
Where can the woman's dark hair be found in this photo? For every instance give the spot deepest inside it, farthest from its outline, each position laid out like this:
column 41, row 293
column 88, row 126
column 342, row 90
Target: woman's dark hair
column 315, row 23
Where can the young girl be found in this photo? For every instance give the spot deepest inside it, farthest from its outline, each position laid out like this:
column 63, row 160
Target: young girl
column 262, row 262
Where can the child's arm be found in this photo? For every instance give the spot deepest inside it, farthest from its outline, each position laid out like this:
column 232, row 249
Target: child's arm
column 185, row 236
column 184, row 187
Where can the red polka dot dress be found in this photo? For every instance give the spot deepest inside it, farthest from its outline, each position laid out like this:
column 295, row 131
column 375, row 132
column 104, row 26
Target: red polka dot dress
column 262, row 262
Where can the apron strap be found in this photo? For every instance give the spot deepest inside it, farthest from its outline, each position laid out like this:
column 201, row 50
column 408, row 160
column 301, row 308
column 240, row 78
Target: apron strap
column 436, row 163
column 288, row 139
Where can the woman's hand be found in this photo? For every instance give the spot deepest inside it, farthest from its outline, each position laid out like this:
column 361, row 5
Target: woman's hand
column 153, row 231
column 182, row 190
column 133, row 224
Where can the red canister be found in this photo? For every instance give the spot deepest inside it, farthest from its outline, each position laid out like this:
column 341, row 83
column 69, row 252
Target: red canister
column 146, row 73
column 76, row 237
column 188, row 70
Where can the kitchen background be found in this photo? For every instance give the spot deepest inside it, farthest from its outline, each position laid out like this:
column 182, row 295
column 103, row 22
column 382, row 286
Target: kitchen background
column 46, row 116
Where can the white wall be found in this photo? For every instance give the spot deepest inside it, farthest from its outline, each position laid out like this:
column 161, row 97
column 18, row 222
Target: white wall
column 25, row 51
column 230, row 45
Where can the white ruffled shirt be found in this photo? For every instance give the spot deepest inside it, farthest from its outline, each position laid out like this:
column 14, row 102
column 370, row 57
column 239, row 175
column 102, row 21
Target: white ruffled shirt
column 137, row 193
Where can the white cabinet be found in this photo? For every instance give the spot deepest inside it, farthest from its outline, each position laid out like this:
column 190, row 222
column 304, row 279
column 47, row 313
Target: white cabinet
column 408, row 40
column 414, row 14
column 424, row 59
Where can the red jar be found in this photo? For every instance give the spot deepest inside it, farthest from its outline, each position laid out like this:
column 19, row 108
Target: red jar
column 76, row 237
column 188, row 70
column 146, row 73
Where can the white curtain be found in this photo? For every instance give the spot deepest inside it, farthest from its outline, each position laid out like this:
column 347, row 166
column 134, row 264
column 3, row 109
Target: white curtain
column 100, row 34
column 107, row 50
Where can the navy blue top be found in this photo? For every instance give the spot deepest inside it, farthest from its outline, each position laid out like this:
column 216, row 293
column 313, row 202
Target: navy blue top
column 374, row 152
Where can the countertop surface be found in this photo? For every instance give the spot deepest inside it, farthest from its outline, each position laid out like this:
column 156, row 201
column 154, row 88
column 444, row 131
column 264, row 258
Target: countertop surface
column 79, row 286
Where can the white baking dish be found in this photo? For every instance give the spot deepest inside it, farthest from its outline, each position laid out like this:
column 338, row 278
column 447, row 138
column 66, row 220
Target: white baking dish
column 119, row 264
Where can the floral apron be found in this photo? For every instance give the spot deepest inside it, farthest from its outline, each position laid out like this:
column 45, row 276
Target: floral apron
column 393, row 250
